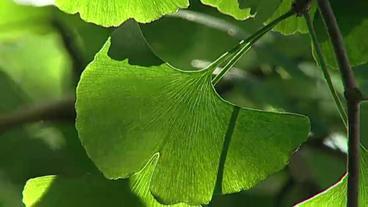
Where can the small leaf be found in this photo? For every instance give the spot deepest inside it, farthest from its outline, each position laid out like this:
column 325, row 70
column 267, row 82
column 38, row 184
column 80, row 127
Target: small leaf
column 230, row 7
column 291, row 25
column 354, row 29
column 335, row 196
column 91, row 190
column 127, row 113
column 115, row 12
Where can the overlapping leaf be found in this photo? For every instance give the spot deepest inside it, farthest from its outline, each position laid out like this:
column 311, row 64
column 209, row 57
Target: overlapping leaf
column 230, row 7
column 91, row 190
column 335, row 196
column 126, row 113
column 292, row 25
column 116, row 12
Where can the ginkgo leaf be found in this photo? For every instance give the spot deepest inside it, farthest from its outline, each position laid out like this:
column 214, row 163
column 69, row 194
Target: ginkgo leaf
column 292, row 25
column 335, row 196
column 91, row 190
column 127, row 113
column 230, row 7
column 115, row 12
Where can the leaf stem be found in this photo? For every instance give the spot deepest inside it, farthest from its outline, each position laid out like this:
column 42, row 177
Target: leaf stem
column 323, row 65
column 353, row 97
column 236, row 53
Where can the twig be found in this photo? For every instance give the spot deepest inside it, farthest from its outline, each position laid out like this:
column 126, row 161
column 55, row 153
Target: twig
column 62, row 110
column 353, row 97
column 245, row 45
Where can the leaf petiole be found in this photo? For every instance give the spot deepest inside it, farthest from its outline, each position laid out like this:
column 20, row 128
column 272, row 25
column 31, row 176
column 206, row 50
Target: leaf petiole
column 237, row 52
column 323, row 65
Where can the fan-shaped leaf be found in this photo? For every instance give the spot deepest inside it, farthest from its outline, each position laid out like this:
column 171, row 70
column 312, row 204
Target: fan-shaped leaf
column 127, row 113
column 115, row 12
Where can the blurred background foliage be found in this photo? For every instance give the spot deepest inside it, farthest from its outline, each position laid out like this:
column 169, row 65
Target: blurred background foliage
column 43, row 52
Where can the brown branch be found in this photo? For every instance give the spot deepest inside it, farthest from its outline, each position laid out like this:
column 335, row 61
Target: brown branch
column 353, row 97
column 62, row 110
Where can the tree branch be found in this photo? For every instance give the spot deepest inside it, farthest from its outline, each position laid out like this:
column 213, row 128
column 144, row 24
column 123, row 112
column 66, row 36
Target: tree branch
column 62, row 110
column 353, row 97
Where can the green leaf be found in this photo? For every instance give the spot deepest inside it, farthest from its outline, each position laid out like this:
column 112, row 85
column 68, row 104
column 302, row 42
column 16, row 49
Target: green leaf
column 230, row 7
column 354, row 29
column 118, row 11
column 91, row 190
column 127, row 112
column 335, row 196
column 291, row 25
column 140, row 185
column 115, row 12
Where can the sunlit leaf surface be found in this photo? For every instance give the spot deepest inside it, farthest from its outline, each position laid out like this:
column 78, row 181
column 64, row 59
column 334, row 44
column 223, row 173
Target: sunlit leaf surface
column 115, row 12
column 126, row 113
